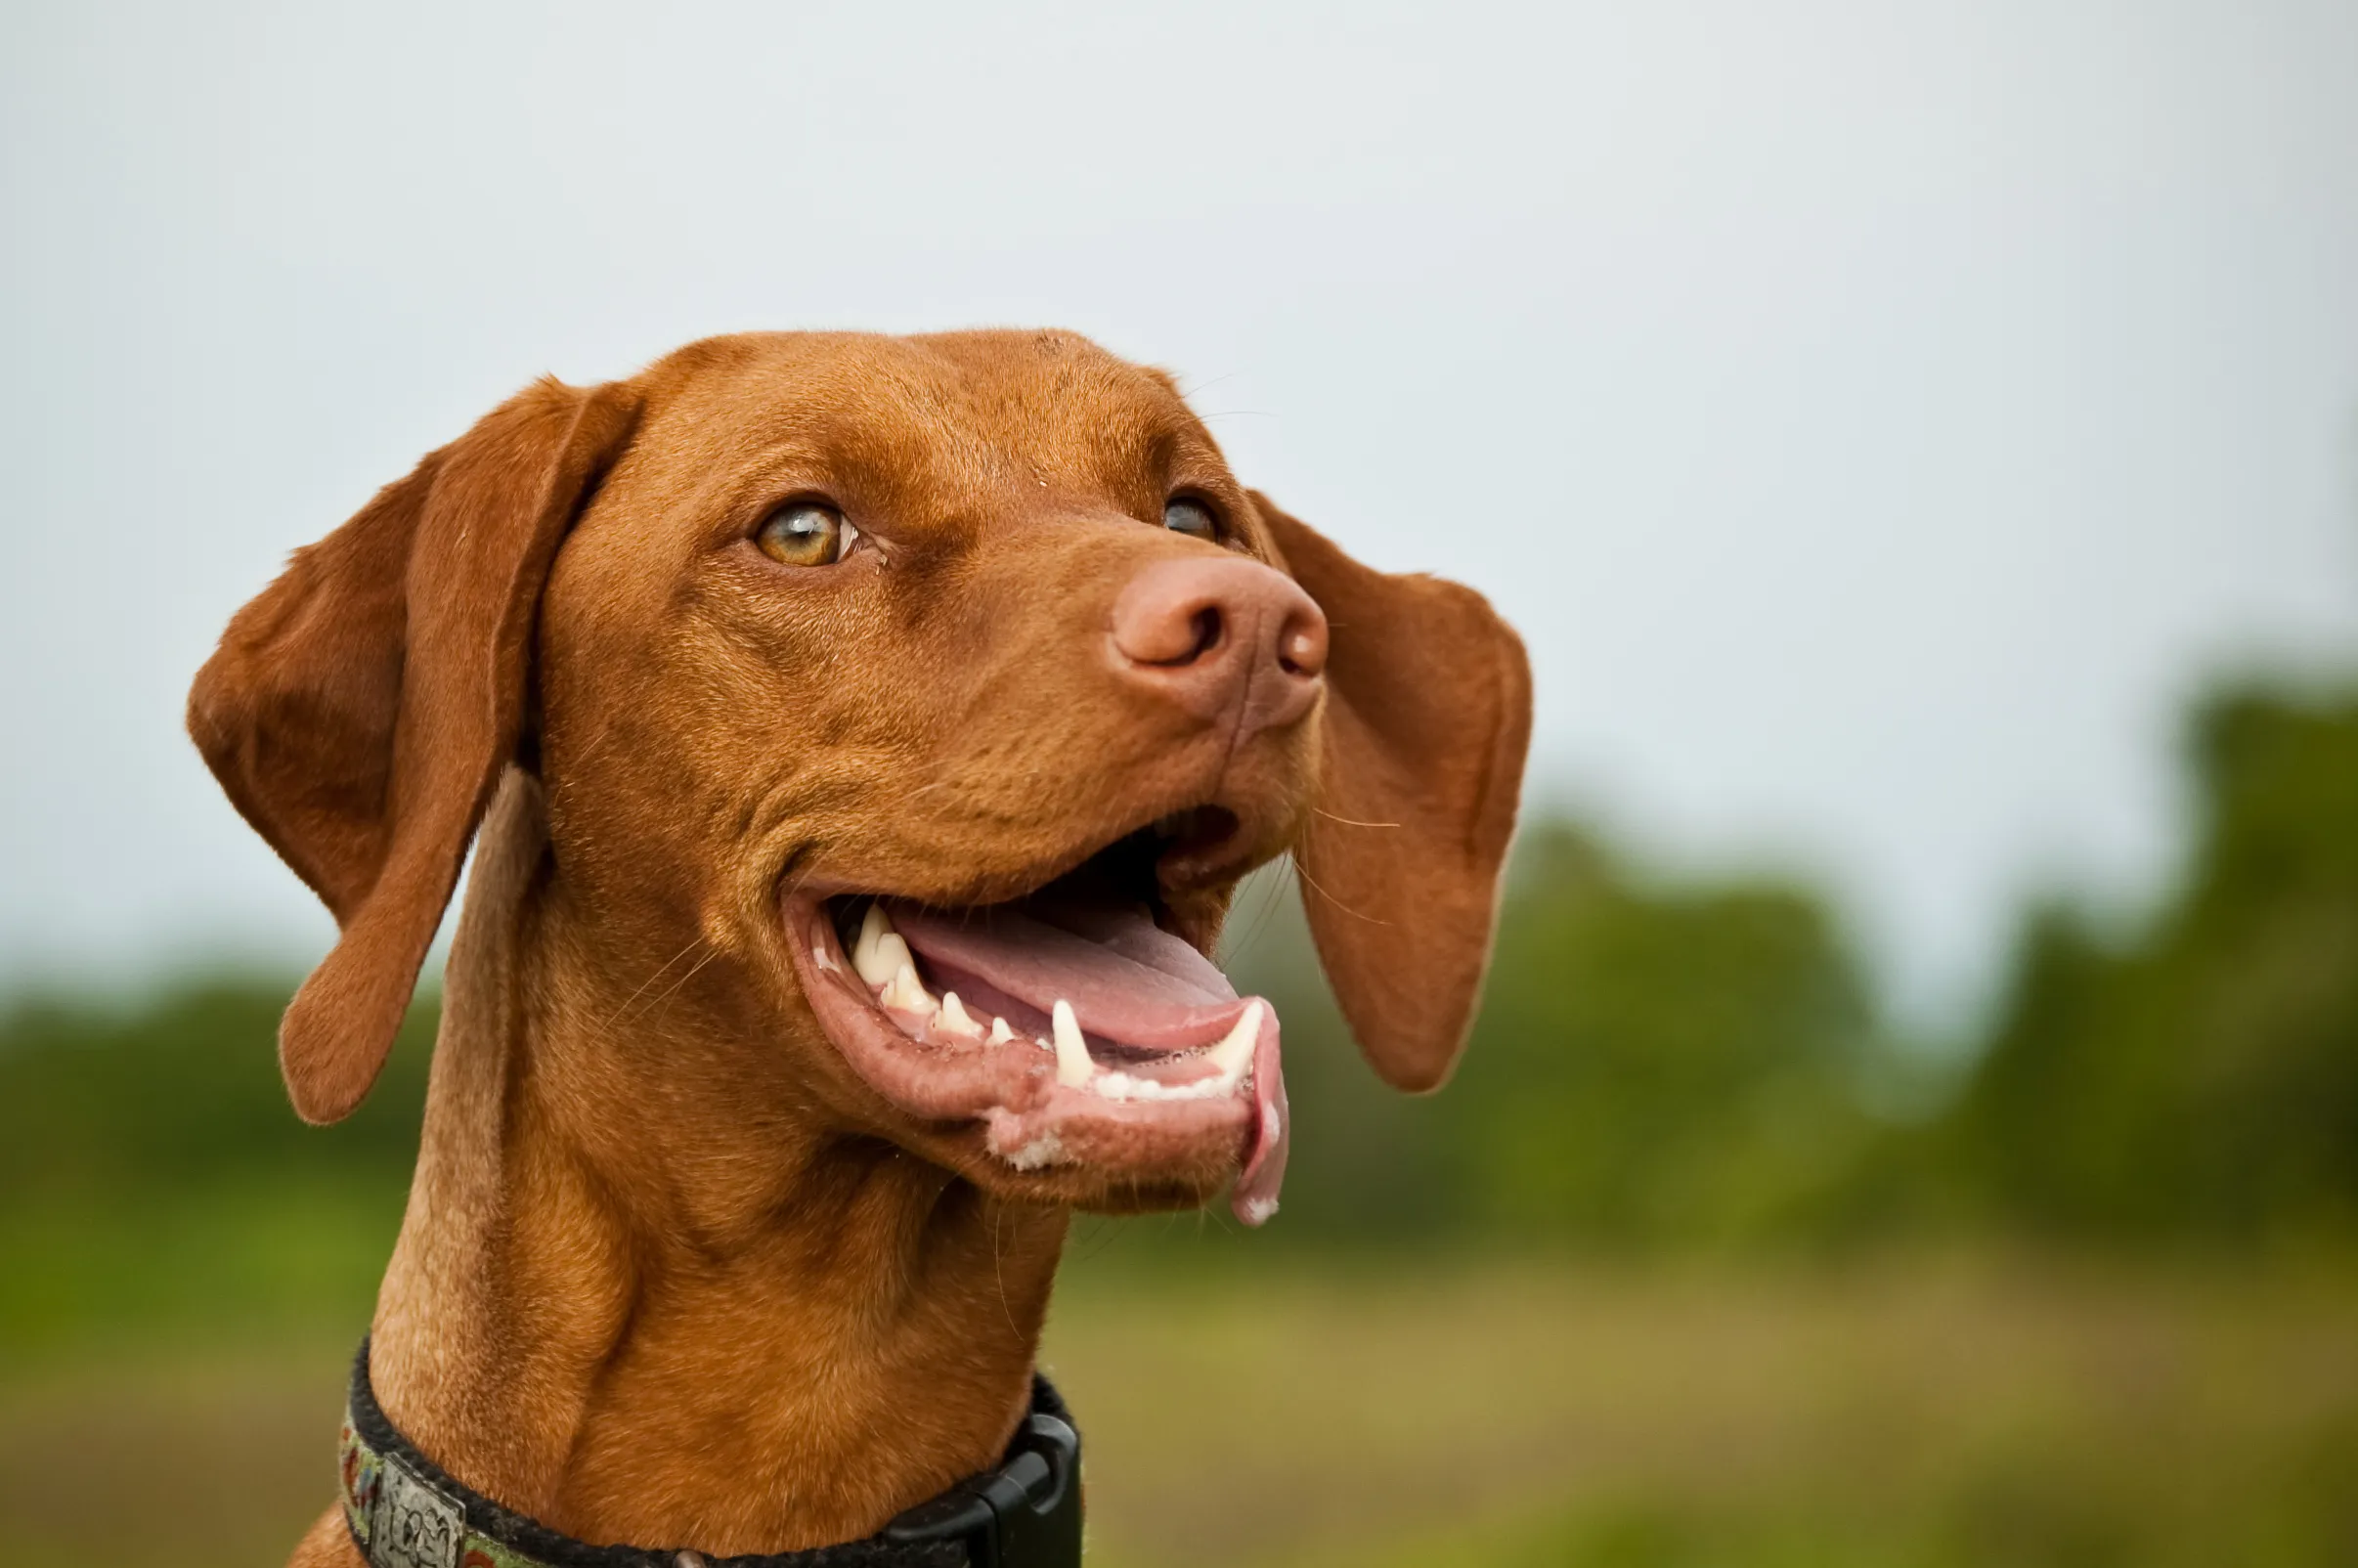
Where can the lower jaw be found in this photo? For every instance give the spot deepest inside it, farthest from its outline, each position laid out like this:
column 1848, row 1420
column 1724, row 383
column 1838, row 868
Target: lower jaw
column 1070, row 1143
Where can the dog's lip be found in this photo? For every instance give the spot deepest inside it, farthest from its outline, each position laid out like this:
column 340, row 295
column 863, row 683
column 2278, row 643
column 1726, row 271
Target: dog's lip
column 1029, row 1121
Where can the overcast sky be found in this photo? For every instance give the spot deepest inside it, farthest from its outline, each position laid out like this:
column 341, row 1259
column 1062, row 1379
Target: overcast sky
column 1877, row 417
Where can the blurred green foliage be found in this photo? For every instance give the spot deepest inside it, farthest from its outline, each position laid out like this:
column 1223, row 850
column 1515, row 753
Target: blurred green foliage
column 151, row 1173
column 181, row 1091
column 1673, row 1065
column 2198, row 1079
column 1653, row 1065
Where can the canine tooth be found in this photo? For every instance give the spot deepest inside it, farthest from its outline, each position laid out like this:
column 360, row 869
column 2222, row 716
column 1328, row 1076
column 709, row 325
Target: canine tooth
column 880, row 952
column 1072, row 1064
column 872, row 925
column 1000, row 1033
column 905, row 992
column 955, row 1019
column 1232, row 1054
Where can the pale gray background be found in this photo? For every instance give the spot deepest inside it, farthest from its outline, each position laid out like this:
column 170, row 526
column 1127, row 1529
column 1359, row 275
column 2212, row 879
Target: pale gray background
column 1877, row 417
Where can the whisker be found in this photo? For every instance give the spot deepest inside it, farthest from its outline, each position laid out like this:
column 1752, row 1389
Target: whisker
column 1000, row 1271
column 673, row 989
column 1311, row 882
column 1348, row 822
column 624, row 1008
column 1205, row 386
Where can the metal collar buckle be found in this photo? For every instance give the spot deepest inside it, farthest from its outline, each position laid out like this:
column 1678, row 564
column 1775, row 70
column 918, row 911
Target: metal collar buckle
column 1025, row 1514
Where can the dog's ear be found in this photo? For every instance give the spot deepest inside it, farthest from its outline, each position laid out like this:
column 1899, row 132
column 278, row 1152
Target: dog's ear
column 359, row 711
column 1427, row 719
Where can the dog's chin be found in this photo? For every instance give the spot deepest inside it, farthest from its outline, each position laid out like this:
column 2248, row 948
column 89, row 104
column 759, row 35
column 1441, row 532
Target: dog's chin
column 1060, row 1047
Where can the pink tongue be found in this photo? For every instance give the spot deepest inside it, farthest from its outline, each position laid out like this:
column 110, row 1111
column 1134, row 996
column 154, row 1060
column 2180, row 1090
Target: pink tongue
column 1128, row 980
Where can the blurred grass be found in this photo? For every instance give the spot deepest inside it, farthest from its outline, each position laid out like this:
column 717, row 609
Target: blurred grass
column 1957, row 1408
column 1965, row 1409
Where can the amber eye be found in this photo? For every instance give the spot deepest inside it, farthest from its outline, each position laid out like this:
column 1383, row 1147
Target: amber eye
column 806, row 533
column 1192, row 518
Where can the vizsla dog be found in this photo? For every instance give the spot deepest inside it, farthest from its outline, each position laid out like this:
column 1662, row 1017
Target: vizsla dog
column 865, row 736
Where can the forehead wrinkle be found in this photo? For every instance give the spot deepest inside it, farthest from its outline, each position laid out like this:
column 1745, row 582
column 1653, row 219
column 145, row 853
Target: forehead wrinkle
column 861, row 428
column 1068, row 412
column 1093, row 409
column 956, row 421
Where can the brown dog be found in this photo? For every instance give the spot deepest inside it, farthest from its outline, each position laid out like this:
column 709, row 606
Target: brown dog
column 794, row 682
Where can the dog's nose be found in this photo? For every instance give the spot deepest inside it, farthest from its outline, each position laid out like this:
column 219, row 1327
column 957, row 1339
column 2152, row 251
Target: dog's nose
column 1219, row 635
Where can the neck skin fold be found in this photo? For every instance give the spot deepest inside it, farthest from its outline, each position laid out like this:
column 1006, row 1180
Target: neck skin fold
column 645, row 1293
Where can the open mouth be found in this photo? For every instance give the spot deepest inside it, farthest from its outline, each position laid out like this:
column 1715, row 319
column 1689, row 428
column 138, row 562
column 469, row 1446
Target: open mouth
column 1069, row 1023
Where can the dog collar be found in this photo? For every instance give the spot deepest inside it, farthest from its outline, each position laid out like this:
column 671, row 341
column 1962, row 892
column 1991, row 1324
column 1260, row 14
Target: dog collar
column 405, row 1511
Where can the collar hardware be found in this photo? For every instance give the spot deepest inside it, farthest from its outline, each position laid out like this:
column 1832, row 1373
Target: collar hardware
column 1025, row 1514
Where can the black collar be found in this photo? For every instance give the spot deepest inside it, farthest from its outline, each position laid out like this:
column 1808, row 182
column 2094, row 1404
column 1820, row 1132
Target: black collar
column 405, row 1511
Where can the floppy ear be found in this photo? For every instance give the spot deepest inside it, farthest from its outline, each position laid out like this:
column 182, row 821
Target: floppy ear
column 359, row 711
column 1427, row 719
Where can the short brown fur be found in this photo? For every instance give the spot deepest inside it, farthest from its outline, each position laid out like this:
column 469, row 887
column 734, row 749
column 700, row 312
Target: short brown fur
column 671, row 1273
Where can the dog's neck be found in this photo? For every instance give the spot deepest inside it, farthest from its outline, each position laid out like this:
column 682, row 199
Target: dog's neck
column 623, row 1304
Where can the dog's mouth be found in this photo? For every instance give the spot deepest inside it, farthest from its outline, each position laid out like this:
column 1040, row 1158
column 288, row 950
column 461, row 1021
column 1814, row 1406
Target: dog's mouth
column 1067, row 1023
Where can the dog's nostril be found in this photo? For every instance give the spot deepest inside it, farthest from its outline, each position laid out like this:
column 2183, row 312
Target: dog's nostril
column 1209, row 627
column 1170, row 635
column 1302, row 647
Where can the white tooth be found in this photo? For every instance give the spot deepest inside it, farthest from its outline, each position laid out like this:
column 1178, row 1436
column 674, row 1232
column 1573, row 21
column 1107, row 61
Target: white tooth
column 1232, row 1055
column 872, row 925
column 879, row 951
column 955, row 1019
column 1000, row 1033
column 906, row 993
column 1072, row 1064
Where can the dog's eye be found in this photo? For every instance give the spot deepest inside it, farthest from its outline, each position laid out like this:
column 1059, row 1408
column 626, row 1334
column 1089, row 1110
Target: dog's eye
column 1192, row 518
column 804, row 532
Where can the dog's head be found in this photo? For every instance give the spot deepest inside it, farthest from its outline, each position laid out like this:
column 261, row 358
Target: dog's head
column 892, row 669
